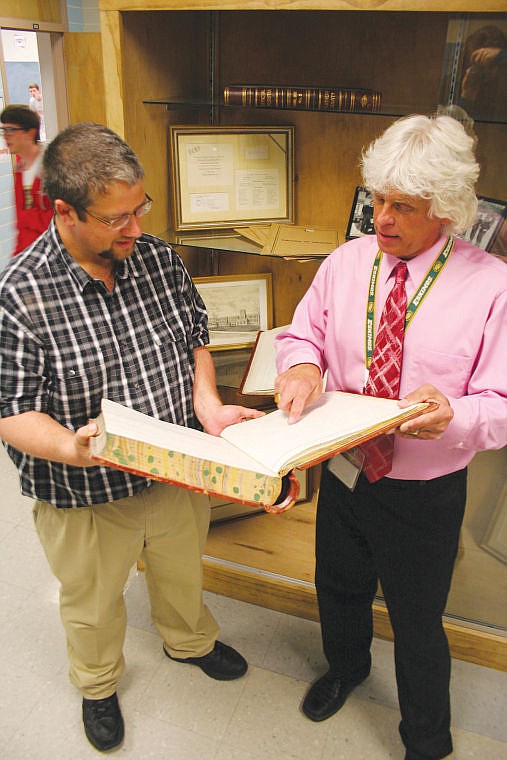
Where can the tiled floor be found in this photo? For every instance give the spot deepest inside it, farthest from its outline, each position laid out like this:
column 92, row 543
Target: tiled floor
column 173, row 711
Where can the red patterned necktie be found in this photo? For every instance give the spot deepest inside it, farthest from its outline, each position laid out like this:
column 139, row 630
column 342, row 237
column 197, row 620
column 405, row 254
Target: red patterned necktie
column 385, row 371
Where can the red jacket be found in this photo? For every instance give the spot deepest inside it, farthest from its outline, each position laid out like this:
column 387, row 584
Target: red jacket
column 30, row 222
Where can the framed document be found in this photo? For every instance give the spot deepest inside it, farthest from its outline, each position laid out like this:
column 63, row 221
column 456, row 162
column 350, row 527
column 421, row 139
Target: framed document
column 238, row 307
column 229, row 176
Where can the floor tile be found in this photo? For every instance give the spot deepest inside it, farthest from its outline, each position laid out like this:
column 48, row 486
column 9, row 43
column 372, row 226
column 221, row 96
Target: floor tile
column 184, row 696
column 267, row 718
column 363, row 730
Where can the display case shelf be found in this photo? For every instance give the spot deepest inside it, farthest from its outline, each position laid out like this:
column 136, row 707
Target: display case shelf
column 387, row 111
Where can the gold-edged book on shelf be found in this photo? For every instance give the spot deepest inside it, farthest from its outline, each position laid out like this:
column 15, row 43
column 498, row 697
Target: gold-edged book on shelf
column 303, row 97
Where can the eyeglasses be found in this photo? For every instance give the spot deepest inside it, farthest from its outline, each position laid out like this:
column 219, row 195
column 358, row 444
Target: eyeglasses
column 119, row 222
column 10, row 130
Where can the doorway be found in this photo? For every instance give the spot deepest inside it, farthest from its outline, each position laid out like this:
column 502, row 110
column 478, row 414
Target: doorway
column 28, row 58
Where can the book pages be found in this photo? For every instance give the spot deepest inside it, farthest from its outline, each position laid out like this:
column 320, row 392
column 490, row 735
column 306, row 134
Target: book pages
column 335, row 420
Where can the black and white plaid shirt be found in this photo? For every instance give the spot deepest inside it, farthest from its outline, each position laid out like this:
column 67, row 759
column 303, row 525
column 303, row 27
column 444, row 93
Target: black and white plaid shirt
column 66, row 342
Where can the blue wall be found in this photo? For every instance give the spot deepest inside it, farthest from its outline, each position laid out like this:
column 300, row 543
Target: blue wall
column 19, row 75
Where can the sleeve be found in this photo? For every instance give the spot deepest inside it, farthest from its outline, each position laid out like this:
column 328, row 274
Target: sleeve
column 23, row 386
column 192, row 306
column 480, row 416
column 303, row 341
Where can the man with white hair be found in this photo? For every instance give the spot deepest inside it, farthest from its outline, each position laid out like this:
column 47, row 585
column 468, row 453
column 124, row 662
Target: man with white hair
column 437, row 335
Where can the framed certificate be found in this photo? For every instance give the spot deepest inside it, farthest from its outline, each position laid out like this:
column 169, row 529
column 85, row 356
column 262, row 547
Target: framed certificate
column 229, row 176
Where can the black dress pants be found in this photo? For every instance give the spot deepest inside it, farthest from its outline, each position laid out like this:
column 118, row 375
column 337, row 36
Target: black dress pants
column 405, row 535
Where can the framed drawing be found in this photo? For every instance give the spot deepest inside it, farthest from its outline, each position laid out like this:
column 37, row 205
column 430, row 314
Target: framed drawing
column 238, row 307
column 229, row 176
column 361, row 215
column 491, row 215
column 495, row 538
column 473, row 85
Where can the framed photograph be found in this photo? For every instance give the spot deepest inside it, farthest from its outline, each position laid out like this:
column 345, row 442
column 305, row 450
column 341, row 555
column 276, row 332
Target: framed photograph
column 361, row 215
column 473, row 85
column 491, row 215
column 238, row 307
column 495, row 538
column 230, row 176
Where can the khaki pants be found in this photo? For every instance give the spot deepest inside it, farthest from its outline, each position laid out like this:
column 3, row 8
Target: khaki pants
column 91, row 551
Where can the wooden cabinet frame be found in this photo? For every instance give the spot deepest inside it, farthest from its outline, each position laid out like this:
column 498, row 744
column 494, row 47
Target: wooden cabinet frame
column 136, row 60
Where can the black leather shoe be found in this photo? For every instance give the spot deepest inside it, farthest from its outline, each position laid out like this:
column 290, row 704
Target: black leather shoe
column 222, row 663
column 103, row 722
column 326, row 696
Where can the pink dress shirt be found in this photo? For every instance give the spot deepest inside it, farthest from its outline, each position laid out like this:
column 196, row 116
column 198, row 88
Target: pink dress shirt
column 457, row 341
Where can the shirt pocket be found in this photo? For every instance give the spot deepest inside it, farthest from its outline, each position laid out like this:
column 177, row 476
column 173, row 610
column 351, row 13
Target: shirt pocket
column 167, row 346
column 75, row 393
column 449, row 373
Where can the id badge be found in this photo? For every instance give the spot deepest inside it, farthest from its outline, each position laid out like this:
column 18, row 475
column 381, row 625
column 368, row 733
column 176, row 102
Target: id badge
column 347, row 466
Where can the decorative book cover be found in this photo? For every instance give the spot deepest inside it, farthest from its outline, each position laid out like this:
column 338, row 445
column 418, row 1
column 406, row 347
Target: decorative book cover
column 238, row 463
column 352, row 99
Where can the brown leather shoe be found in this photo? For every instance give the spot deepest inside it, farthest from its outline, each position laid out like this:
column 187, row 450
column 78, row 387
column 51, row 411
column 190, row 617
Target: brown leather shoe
column 326, row 696
column 223, row 662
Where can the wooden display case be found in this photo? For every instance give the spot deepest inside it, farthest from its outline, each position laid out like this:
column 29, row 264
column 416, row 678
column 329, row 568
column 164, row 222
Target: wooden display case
column 166, row 63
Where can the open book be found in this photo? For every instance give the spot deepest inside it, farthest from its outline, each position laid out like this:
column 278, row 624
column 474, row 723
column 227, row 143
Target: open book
column 251, row 461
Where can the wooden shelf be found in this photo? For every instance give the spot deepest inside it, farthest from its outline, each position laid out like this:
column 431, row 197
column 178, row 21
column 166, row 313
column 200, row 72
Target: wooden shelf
column 388, row 110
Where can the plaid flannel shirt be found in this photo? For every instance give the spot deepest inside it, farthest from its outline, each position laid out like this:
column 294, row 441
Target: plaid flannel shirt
column 66, row 342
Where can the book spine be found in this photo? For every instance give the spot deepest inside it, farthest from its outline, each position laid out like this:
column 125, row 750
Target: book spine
column 303, row 98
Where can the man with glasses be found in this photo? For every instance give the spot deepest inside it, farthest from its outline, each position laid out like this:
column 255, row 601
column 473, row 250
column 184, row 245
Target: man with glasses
column 98, row 309
column 21, row 132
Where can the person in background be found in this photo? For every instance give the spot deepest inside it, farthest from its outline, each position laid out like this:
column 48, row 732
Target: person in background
column 20, row 130
column 441, row 338
column 36, row 103
column 97, row 309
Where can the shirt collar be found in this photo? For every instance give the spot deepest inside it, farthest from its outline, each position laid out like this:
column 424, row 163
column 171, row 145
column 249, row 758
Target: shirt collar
column 418, row 266
column 130, row 267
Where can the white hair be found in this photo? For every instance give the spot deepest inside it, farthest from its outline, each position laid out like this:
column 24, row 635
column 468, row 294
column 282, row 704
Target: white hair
column 430, row 157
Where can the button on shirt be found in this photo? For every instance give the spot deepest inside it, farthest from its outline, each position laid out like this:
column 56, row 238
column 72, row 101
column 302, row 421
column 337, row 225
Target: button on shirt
column 67, row 342
column 457, row 341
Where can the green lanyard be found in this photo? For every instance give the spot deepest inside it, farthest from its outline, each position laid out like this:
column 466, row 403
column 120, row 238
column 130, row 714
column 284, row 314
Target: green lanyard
column 414, row 304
